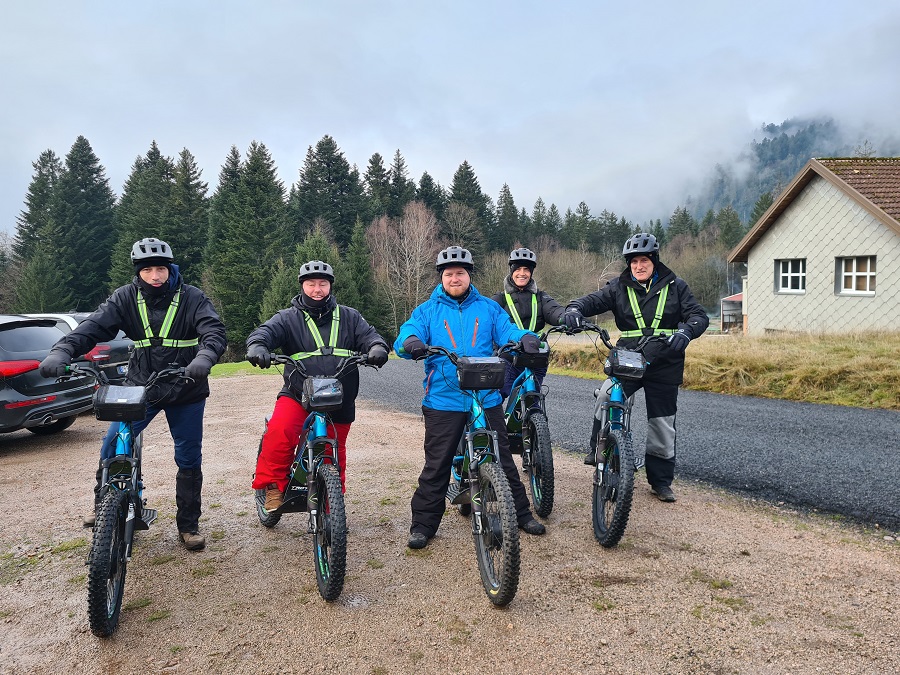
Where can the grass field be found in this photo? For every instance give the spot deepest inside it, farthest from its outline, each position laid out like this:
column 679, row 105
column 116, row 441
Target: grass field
column 857, row 370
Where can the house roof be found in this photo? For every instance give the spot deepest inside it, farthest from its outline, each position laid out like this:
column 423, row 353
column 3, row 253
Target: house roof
column 737, row 297
column 872, row 182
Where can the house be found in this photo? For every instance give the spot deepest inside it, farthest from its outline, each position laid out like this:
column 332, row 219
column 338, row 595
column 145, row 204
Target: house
column 825, row 257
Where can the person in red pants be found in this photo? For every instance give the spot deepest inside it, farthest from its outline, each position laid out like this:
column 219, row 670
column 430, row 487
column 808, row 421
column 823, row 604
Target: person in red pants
column 320, row 332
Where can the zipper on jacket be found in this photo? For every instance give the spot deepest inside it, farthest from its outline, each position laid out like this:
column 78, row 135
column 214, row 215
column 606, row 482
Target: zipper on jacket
column 450, row 333
column 475, row 333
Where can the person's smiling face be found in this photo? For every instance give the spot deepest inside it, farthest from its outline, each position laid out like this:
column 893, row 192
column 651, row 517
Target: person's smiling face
column 641, row 268
column 456, row 281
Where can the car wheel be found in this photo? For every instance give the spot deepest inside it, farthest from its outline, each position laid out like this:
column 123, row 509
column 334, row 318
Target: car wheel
column 54, row 428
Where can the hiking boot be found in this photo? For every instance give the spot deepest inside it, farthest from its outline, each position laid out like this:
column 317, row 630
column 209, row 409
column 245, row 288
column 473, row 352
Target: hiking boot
column 663, row 493
column 533, row 527
column 193, row 541
column 274, row 497
column 591, row 458
column 417, row 540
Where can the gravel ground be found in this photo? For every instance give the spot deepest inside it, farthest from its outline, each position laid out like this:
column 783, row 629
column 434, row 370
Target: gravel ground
column 715, row 583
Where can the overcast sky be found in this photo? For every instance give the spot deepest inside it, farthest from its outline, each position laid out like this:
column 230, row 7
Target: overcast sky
column 621, row 105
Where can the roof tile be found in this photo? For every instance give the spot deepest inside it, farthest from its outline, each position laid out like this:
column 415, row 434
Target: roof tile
column 876, row 178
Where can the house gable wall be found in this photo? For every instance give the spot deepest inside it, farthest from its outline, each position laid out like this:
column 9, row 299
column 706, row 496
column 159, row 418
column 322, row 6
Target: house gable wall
column 821, row 224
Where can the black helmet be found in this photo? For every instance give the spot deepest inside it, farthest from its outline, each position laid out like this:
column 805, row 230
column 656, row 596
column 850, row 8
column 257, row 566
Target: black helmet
column 315, row 269
column 522, row 257
column 641, row 244
column 151, row 252
column 455, row 255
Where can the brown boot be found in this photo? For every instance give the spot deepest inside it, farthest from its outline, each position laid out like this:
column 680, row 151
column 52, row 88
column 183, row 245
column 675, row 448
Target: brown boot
column 193, row 541
column 274, row 497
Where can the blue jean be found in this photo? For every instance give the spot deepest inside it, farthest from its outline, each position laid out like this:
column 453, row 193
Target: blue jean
column 185, row 425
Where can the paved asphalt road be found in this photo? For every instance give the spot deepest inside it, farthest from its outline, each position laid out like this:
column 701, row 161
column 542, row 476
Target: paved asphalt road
column 832, row 458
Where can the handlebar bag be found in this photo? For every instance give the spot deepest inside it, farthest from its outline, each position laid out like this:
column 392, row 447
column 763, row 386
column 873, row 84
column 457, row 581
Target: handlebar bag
column 115, row 403
column 322, row 394
column 533, row 361
column 625, row 364
column 481, row 372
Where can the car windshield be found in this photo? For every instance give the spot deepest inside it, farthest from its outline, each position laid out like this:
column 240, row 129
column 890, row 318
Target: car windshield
column 28, row 338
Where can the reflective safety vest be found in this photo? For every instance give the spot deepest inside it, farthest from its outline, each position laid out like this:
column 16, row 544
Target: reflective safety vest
column 639, row 316
column 163, row 338
column 515, row 314
column 323, row 350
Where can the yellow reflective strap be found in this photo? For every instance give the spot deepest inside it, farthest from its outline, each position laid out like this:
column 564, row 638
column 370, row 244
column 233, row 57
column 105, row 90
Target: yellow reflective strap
column 515, row 315
column 317, row 336
column 166, row 326
column 639, row 316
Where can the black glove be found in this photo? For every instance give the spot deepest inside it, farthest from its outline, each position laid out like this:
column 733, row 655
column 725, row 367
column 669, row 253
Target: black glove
column 415, row 347
column 377, row 356
column 531, row 344
column 678, row 341
column 258, row 355
column 573, row 318
column 199, row 368
column 55, row 364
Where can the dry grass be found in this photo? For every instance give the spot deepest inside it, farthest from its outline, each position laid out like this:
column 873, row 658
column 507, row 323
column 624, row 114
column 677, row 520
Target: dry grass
column 860, row 370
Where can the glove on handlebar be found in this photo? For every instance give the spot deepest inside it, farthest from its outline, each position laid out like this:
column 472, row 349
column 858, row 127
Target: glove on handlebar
column 415, row 347
column 199, row 367
column 54, row 364
column 573, row 318
column 258, row 355
column 678, row 341
column 377, row 355
column 531, row 344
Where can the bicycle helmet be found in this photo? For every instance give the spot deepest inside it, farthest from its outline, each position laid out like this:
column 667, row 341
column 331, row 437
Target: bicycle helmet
column 641, row 244
column 315, row 269
column 522, row 257
column 150, row 252
column 455, row 256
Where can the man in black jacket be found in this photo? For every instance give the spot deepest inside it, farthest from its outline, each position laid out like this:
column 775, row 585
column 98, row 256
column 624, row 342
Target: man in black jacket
column 172, row 324
column 528, row 307
column 647, row 298
column 319, row 331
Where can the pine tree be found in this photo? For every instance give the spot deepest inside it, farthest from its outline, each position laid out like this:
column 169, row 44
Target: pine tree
column 8, row 272
column 329, row 188
column 281, row 290
column 504, row 233
column 659, row 232
column 377, row 182
column 187, row 217
column 357, row 282
column 402, row 190
column 554, row 221
column 142, row 211
column 44, row 284
column 539, row 221
column 253, row 235
column 730, row 228
column 525, row 228
column 681, row 222
column 82, row 210
column 432, row 195
column 762, row 205
column 38, row 205
column 221, row 203
column 467, row 191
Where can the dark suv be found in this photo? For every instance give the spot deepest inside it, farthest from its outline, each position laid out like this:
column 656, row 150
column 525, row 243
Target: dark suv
column 27, row 399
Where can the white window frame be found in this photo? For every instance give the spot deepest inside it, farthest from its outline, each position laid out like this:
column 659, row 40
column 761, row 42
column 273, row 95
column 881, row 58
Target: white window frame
column 787, row 271
column 852, row 269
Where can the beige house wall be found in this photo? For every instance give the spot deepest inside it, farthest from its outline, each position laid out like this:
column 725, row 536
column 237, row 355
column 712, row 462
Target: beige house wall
column 821, row 224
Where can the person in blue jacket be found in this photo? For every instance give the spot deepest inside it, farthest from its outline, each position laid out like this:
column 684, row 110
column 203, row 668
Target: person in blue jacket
column 459, row 318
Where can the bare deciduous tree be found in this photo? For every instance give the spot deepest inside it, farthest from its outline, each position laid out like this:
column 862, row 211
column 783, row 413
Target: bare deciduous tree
column 404, row 253
column 460, row 228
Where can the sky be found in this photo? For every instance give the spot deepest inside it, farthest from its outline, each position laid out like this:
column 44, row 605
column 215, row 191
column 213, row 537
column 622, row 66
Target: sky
column 625, row 106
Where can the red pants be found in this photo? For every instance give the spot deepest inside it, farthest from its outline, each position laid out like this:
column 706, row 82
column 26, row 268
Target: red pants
column 281, row 439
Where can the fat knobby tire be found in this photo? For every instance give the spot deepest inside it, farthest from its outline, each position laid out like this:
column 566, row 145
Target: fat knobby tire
column 106, row 564
column 540, row 473
column 330, row 543
column 498, row 556
column 613, row 488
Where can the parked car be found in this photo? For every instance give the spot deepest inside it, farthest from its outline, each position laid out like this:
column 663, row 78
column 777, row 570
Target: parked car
column 27, row 399
column 110, row 357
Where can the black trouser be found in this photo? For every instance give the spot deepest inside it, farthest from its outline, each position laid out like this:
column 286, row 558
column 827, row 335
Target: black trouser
column 443, row 429
column 662, row 404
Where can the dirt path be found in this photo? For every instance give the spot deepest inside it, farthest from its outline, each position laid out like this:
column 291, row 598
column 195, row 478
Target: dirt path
column 711, row 584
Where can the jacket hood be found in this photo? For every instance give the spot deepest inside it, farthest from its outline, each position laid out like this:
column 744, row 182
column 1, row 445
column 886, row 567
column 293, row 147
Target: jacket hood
column 301, row 302
column 662, row 274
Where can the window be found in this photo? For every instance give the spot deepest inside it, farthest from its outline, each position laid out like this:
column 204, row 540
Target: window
column 856, row 276
column 790, row 276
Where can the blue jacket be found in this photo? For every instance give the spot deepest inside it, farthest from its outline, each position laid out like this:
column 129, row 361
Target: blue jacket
column 470, row 328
